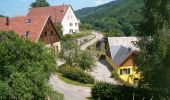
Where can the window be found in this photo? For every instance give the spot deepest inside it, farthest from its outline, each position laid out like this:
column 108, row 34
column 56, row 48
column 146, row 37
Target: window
column 71, row 30
column 76, row 24
column 26, row 33
column 29, row 20
column 71, row 24
column 124, row 71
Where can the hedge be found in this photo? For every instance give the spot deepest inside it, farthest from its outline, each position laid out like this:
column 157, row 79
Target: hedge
column 108, row 91
column 77, row 74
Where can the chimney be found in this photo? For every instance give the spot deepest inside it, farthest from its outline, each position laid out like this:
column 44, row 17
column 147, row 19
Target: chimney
column 64, row 7
column 7, row 21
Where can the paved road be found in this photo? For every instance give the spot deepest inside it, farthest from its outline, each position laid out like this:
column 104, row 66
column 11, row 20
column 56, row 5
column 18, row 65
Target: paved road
column 102, row 72
column 71, row 92
column 98, row 37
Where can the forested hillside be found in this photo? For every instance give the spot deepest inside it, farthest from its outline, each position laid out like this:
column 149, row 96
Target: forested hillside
column 117, row 18
column 1, row 16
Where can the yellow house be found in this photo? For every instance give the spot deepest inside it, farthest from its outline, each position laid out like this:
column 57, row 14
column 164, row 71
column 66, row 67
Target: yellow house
column 120, row 53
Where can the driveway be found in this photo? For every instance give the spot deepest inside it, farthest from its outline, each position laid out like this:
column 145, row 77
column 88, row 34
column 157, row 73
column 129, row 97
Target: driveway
column 102, row 72
column 71, row 92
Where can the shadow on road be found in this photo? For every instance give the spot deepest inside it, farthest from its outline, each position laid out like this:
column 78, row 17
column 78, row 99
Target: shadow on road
column 103, row 61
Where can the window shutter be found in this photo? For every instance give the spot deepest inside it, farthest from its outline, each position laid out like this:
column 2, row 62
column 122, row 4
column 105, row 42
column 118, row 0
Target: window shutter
column 121, row 71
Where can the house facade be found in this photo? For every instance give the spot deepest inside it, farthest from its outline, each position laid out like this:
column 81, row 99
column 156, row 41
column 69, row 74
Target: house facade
column 33, row 28
column 62, row 14
column 120, row 53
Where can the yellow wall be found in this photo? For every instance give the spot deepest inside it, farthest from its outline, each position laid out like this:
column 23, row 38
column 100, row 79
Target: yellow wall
column 127, row 64
column 128, row 77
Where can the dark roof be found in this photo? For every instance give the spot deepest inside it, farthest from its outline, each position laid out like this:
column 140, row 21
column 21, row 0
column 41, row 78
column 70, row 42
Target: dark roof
column 120, row 53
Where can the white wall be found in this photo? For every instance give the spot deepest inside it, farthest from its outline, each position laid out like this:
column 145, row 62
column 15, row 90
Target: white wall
column 70, row 18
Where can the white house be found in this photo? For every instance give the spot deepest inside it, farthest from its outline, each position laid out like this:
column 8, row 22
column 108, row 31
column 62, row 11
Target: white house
column 63, row 14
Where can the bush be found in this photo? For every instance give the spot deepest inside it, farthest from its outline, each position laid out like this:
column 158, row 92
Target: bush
column 114, row 75
column 86, row 61
column 108, row 91
column 77, row 74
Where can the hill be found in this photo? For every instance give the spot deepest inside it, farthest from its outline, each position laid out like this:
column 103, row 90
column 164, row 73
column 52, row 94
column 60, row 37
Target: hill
column 119, row 17
column 2, row 16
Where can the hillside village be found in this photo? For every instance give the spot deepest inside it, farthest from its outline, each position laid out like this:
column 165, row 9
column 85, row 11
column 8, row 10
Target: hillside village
column 57, row 56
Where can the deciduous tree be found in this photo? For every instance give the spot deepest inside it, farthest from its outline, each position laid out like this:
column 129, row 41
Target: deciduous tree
column 25, row 68
column 154, row 42
column 39, row 3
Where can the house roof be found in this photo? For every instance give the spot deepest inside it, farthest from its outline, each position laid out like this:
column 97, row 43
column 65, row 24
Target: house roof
column 124, row 41
column 20, row 26
column 57, row 13
column 121, row 48
column 2, row 21
column 120, row 54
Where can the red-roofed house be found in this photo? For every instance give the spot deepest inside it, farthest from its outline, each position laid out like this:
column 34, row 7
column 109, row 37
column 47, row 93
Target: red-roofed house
column 35, row 28
column 63, row 14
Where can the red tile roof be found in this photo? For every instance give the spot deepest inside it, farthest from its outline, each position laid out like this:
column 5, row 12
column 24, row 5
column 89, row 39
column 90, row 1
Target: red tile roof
column 20, row 25
column 57, row 13
column 2, row 21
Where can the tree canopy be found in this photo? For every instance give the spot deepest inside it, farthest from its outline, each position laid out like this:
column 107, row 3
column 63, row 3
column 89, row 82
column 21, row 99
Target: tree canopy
column 25, row 68
column 121, row 15
column 154, row 42
column 39, row 3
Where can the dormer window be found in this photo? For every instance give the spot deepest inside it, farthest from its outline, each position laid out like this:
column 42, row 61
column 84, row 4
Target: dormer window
column 29, row 20
column 26, row 34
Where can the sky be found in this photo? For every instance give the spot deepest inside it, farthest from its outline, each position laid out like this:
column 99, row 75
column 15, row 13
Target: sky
column 20, row 7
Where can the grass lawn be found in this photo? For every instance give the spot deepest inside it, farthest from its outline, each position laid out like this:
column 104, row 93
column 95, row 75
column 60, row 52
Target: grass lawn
column 69, row 81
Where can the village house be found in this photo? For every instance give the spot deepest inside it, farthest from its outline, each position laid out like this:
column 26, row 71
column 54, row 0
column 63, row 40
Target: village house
column 120, row 52
column 34, row 28
column 62, row 14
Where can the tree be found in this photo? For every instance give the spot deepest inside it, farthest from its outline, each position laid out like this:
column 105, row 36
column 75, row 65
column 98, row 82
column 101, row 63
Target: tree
column 59, row 27
column 86, row 60
column 25, row 68
column 70, row 52
column 39, row 3
column 154, row 42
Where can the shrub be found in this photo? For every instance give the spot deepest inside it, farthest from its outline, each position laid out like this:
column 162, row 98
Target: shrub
column 114, row 75
column 77, row 74
column 108, row 91
column 86, row 61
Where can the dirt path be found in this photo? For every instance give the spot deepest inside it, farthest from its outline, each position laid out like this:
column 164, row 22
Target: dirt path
column 71, row 92
column 98, row 37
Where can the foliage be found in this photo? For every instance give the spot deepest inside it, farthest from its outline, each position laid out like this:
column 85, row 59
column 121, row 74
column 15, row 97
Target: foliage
column 70, row 81
column 86, row 60
column 114, row 32
column 123, row 15
column 39, row 3
column 25, row 68
column 59, row 27
column 76, row 35
column 108, row 91
column 77, row 74
column 70, row 53
column 154, row 42
column 114, row 75
column 2, row 16
column 85, row 26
